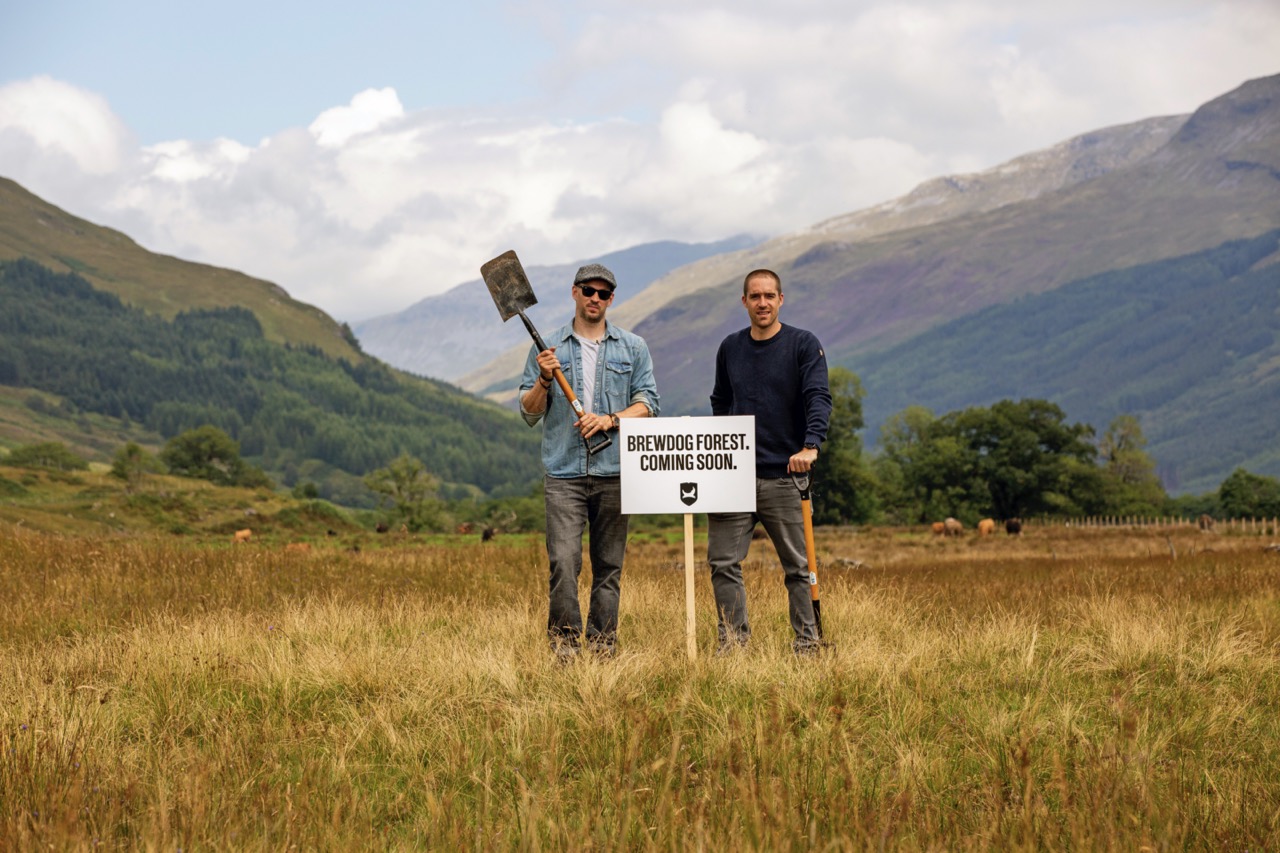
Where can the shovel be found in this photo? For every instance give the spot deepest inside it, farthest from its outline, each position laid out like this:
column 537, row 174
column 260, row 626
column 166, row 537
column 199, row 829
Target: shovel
column 512, row 293
column 810, row 551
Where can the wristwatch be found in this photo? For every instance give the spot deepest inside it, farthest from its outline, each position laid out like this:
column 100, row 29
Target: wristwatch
column 613, row 416
column 809, row 445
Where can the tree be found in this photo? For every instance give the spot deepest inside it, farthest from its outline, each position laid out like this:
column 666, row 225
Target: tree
column 847, row 490
column 208, row 453
column 1129, row 482
column 934, row 472
column 131, row 463
column 1024, row 452
column 47, row 454
column 409, row 488
column 1009, row 460
column 1246, row 495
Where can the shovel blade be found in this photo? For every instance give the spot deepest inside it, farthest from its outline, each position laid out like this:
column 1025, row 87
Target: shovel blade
column 508, row 285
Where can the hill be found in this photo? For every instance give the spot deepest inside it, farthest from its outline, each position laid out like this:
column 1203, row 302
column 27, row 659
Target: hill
column 1210, row 183
column 32, row 228
column 1188, row 345
column 449, row 335
column 878, row 284
column 295, row 410
column 936, row 201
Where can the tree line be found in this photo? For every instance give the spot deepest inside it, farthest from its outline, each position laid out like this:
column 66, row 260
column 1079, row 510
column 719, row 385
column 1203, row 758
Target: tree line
column 359, row 434
column 297, row 413
column 1012, row 459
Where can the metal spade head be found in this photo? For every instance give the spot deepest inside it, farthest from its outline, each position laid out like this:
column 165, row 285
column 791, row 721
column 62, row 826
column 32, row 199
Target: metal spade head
column 508, row 285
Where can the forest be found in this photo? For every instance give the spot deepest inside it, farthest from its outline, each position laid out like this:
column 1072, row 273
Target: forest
column 294, row 411
column 332, row 429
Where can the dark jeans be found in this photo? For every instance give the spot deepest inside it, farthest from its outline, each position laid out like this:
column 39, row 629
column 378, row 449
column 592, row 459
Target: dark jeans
column 573, row 506
column 729, row 537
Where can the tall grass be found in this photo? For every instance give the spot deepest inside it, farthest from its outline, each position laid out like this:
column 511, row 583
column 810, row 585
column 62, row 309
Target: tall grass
column 1067, row 690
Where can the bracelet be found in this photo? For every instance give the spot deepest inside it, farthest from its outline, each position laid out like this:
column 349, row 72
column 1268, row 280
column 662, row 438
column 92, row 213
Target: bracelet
column 545, row 383
column 613, row 416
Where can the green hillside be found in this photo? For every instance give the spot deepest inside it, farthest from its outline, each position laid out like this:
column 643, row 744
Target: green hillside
column 296, row 411
column 32, row 228
column 1190, row 345
column 1214, row 181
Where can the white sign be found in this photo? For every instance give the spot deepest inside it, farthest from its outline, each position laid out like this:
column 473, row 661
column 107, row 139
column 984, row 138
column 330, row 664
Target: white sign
column 687, row 465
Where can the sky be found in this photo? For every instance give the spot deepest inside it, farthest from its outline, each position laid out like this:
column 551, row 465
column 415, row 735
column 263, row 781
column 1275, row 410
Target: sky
column 365, row 156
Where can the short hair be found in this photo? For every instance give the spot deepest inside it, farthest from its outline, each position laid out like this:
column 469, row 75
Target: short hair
column 758, row 273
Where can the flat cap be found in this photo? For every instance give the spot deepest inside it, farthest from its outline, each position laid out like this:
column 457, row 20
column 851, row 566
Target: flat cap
column 595, row 272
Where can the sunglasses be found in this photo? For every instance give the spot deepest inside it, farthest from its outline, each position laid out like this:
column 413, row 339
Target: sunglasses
column 605, row 293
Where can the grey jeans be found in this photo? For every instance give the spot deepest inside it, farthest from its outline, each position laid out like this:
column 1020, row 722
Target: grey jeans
column 576, row 505
column 729, row 537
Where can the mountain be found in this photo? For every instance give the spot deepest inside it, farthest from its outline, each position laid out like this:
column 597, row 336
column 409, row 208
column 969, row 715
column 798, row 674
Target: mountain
column 1210, row 183
column 32, row 228
column 1089, row 216
column 1189, row 345
column 936, row 201
column 449, row 335
column 105, row 342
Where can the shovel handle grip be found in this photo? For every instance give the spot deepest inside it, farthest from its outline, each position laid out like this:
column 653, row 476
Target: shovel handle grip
column 602, row 441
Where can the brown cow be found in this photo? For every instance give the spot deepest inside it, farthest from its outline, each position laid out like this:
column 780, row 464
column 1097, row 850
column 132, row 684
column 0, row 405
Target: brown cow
column 986, row 527
column 242, row 535
column 1206, row 523
column 939, row 528
column 953, row 527
column 1013, row 527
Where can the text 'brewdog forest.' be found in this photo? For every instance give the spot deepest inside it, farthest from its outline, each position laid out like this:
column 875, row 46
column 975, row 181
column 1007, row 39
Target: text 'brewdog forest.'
column 680, row 465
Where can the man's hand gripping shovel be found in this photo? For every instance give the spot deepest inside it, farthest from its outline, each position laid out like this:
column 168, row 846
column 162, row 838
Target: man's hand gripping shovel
column 512, row 293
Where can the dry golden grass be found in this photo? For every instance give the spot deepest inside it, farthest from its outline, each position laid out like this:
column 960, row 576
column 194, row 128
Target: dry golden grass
column 1072, row 689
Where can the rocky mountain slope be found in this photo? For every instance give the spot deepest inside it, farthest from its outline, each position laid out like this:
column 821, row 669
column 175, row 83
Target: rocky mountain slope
column 453, row 333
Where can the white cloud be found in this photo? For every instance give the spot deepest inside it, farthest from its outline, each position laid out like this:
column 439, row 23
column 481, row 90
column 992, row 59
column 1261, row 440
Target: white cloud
column 58, row 116
column 367, row 111
column 661, row 120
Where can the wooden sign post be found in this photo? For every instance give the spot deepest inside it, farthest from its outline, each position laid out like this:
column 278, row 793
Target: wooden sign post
column 688, row 465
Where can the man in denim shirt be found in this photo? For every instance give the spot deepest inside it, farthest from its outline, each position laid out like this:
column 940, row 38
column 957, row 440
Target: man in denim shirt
column 611, row 373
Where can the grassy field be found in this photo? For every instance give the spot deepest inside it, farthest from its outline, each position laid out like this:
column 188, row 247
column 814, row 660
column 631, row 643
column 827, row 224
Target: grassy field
column 1071, row 689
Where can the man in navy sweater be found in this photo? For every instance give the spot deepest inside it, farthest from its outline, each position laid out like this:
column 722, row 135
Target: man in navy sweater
column 778, row 374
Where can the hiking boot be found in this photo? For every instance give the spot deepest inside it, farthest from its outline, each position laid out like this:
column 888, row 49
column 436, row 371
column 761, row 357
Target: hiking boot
column 809, row 648
column 727, row 648
column 603, row 649
column 565, row 652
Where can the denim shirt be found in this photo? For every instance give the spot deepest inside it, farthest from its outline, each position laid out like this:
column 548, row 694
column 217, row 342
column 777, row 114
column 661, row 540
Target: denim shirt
column 624, row 375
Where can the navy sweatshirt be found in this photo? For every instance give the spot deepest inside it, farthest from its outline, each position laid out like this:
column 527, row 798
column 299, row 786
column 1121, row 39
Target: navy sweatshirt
column 783, row 382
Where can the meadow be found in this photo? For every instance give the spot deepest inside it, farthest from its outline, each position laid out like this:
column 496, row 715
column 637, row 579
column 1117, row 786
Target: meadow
column 1072, row 688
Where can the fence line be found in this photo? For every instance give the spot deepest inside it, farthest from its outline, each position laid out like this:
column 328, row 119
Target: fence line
column 1251, row 526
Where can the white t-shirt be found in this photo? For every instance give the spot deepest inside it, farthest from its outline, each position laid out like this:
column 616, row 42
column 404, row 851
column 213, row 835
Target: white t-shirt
column 590, row 357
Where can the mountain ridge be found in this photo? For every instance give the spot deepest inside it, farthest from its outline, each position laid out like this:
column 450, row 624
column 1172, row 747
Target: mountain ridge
column 31, row 227
column 449, row 334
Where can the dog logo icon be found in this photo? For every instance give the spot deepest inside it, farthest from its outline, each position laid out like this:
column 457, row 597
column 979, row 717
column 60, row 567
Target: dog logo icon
column 689, row 493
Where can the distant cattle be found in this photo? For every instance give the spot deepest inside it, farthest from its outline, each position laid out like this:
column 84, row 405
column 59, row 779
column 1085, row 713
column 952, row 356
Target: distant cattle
column 1206, row 523
column 986, row 527
column 1013, row 527
column 939, row 528
column 488, row 533
column 952, row 527
column 242, row 535
column 466, row 527
column 381, row 527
